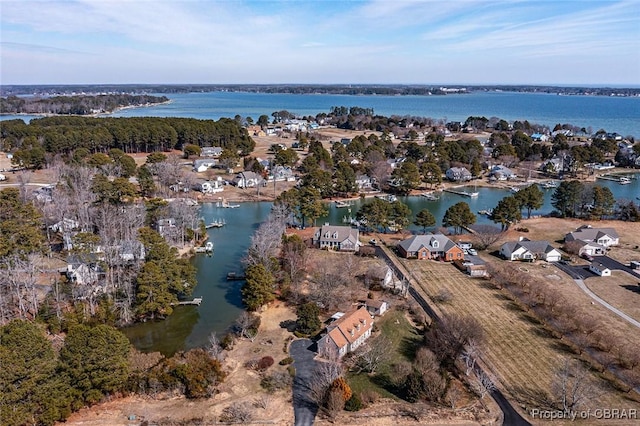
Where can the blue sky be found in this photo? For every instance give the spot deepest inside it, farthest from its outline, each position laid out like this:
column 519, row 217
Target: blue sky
column 583, row 42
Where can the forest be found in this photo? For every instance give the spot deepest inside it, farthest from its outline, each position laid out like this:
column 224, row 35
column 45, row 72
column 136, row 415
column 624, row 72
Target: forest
column 63, row 135
column 75, row 105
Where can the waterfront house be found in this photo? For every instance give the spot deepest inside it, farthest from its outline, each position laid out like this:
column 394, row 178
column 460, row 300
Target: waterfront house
column 430, row 246
column 166, row 226
column 458, row 174
column 247, row 179
column 501, row 172
column 364, row 182
column 592, row 241
column 346, row 333
column 210, row 186
column 340, row 238
column 281, row 174
column 599, row 269
column 528, row 250
column 84, row 269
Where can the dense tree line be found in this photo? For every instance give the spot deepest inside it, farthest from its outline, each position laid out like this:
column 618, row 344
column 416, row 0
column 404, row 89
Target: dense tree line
column 64, row 135
column 343, row 89
column 75, row 105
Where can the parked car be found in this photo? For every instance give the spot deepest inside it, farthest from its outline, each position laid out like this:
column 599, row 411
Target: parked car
column 586, row 256
column 472, row 252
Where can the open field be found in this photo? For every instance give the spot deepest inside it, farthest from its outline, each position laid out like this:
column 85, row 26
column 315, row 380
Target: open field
column 621, row 290
column 568, row 291
column 519, row 351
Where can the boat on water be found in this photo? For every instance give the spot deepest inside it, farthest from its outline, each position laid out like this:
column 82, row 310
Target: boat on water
column 341, row 204
column 624, row 181
column 387, row 197
column 551, row 184
column 473, row 194
column 486, row 212
column 222, row 202
column 514, row 189
column 430, row 196
column 207, row 248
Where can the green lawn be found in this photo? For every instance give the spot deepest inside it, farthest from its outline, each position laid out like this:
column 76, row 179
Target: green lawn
column 403, row 339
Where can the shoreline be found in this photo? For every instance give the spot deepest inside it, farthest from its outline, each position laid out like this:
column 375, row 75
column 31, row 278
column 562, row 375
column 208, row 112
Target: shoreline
column 94, row 115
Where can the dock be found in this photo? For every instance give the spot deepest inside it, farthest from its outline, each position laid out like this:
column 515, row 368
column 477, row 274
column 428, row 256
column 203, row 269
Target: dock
column 216, row 224
column 463, row 193
column 232, row 276
column 222, row 202
column 197, row 301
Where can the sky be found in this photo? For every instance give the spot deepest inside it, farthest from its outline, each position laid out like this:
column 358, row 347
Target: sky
column 580, row 42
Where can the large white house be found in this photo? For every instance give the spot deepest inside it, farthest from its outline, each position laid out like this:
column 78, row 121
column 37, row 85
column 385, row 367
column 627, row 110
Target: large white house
column 592, row 241
column 247, row 179
column 527, row 250
column 340, row 238
column 346, row 333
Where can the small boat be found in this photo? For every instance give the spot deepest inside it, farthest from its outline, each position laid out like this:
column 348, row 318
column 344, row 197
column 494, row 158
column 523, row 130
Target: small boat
column 514, row 189
column 487, row 212
column 430, row 196
column 550, row 184
column 624, row 181
column 473, row 194
column 233, row 276
column 207, row 248
column 225, row 204
column 388, row 197
column 341, row 204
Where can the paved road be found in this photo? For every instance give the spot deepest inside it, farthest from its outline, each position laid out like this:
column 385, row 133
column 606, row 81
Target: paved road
column 579, row 273
column 615, row 265
column 304, row 409
column 510, row 416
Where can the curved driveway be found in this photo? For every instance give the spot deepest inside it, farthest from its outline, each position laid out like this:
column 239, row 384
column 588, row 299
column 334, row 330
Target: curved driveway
column 304, row 408
column 578, row 274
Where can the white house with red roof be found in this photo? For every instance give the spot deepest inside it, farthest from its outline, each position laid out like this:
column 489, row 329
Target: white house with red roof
column 347, row 332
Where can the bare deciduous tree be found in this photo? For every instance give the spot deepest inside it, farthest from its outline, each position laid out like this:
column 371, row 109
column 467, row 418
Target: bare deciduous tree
column 571, row 387
column 482, row 384
column 214, row 349
column 369, row 356
column 487, row 235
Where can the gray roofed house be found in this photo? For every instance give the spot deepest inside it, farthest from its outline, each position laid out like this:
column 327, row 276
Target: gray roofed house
column 501, row 172
column 458, row 174
column 210, row 151
column 247, row 179
column 605, row 237
column 341, row 238
column 530, row 251
column 430, row 246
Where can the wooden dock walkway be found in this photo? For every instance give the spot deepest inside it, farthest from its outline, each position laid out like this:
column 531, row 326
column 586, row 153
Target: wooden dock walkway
column 197, row 301
column 463, row 193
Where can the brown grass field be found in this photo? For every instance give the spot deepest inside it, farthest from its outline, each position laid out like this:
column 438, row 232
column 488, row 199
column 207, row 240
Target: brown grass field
column 621, row 290
column 520, row 353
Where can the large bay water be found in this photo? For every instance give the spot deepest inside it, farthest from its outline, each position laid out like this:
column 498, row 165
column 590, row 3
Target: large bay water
column 190, row 326
column 614, row 114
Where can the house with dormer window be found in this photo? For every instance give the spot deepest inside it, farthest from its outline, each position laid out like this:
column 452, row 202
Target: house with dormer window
column 430, row 246
column 339, row 238
column 346, row 333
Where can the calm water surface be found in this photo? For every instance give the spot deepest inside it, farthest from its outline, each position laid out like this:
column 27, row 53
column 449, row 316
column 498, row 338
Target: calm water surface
column 614, row 114
column 190, row 326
